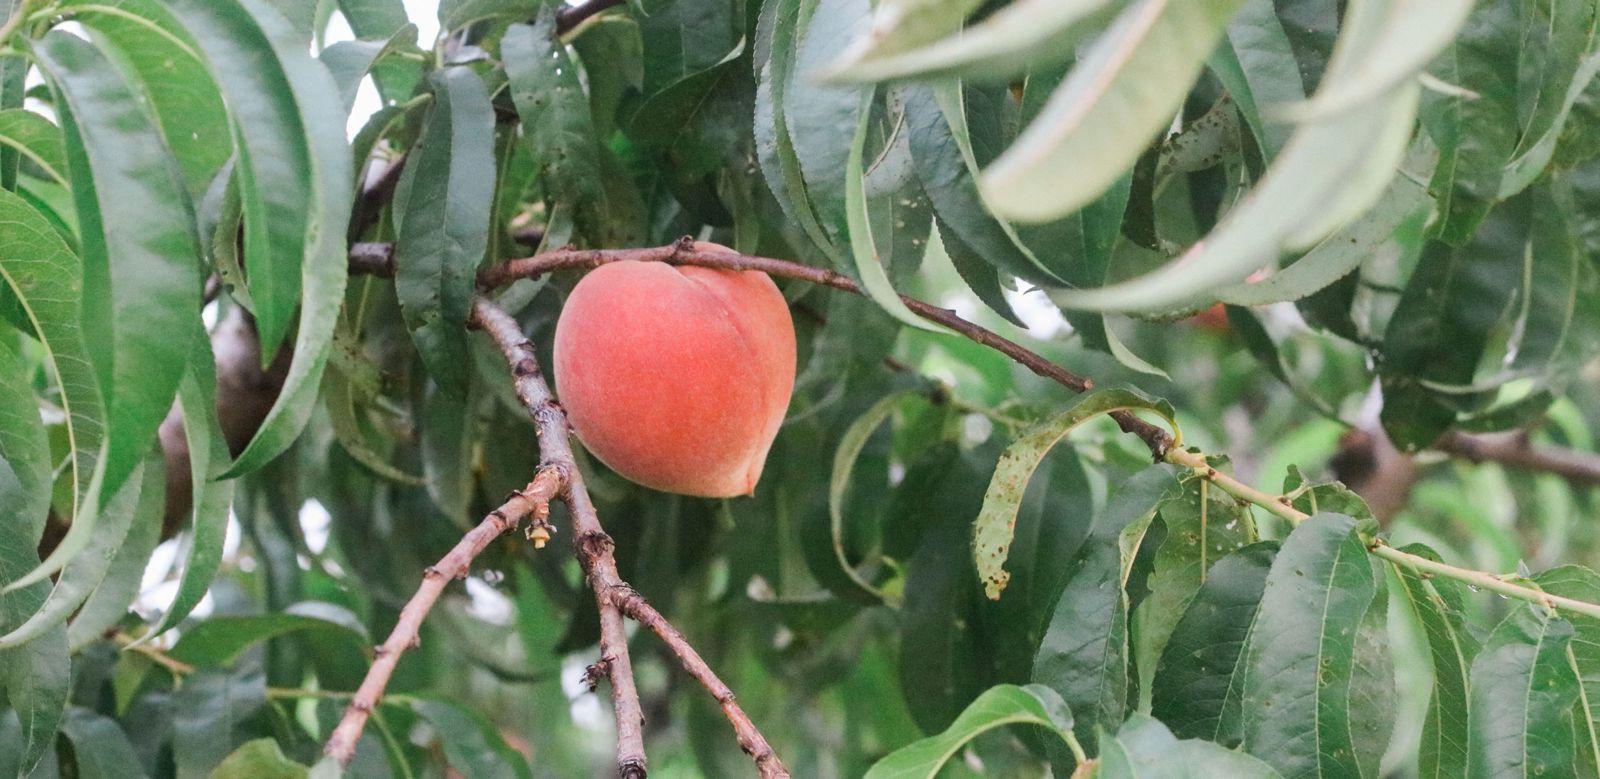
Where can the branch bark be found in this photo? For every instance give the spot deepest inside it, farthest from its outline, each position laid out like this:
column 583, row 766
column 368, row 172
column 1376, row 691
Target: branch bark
column 613, row 596
column 534, row 501
column 1514, row 450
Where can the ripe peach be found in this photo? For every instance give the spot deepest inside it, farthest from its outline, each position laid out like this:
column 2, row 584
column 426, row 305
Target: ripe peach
column 677, row 377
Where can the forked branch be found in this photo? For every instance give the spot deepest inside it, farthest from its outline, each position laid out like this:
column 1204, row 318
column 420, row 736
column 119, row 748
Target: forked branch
column 594, row 548
column 532, row 503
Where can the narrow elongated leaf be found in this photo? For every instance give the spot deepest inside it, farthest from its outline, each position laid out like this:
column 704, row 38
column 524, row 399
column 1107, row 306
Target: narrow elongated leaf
column 778, row 32
column 935, row 118
column 1268, row 73
column 1023, row 34
column 1476, row 132
column 1405, row 36
column 258, row 758
column 1203, row 526
column 823, row 119
column 119, row 585
column 34, row 676
column 1143, row 748
column 869, row 266
column 1290, row 206
column 1200, row 678
column 992, row 531
column 220, row 640
column 84, row 572
column 471, row 743
column 1084, row 655
column 1339, row 254
column 1296, row 704
column 556, row 121
column 100, row 750
column 1006, row 704
column 36, row 139
column 44, row 275
column 445, row 196
column 212, row 494
column 374, row 18
column 1440, row 331
column 351, row 61
column 1436, row 606
column 1575, row 581
column 140, row 260
column 1522, row 692
column 153, row 47
column 901, row 25
column 1118, row 97
column 208, row 712
column 295, row 185
column 844, row 463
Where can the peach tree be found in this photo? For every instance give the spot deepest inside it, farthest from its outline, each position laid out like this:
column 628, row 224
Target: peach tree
column 1175, row 386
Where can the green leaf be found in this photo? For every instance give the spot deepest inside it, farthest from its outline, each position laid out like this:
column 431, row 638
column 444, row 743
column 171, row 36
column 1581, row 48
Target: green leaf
column 37, row 140
column 556, row 122
column 1124, row 89
column 259, row 759
column 1451, row 307
column 1202, row 526
column 1006, row 704
column 1308, row 192
column 209, row 711
column 1084, row 655
column 1436, row 606
column 936, row 121
column 472, row 745
column 455, row 14
column 869, row 266
column 1522, row 692
column 1576, row 581
column 1476, row 133
column 119, row 585
column 1342, row 252
column 1267, row 72
column 445, row 195
column 1297, row 708
column 141, row 255
column 295, row 185
column 901, row 25
column 152, row 46
column 1023, row 34
column 823, row 120
column 220, row 640
column 351, row 61
column 212, row 495
column 1200, row 677
column 372, row 19
column 35, row 676
column 100, row 750
column 844, row 462
column 991, row 532
column 85, row 571
column 1143, row 748
column 1400, row 38
column 777, row 32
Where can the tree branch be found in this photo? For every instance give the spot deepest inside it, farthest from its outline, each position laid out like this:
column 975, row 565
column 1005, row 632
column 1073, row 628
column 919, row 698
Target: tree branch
column 571, row 16
column 613, row 596
column 1514, row 450
column 589, row 539
column 534, row 501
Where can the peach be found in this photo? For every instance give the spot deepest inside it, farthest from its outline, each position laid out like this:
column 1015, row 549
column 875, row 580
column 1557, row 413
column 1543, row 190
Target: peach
column 677, row 377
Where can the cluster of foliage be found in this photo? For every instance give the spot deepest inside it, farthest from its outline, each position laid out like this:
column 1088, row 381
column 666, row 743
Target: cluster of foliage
column 225, row 460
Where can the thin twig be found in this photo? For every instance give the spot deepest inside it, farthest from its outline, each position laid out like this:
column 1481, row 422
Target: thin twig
column 533, row 501
column 595, row 552
column 750, row 739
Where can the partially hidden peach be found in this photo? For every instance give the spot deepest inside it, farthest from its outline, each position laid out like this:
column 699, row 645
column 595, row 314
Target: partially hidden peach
column 677, row 377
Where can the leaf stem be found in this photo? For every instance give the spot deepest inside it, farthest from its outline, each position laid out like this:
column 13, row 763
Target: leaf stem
column 1077, row 749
